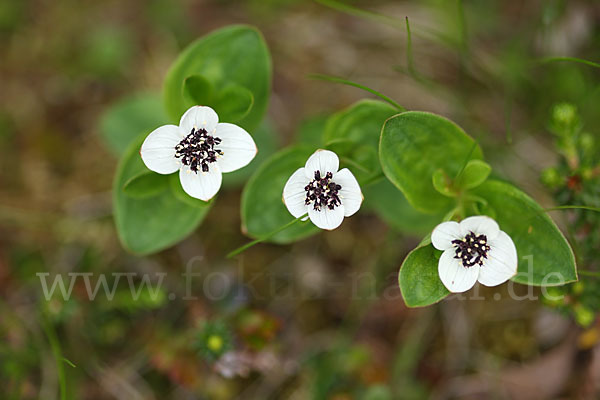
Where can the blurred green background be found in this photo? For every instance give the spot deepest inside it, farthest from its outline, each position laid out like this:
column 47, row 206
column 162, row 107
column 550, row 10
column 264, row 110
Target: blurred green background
column 320, row 319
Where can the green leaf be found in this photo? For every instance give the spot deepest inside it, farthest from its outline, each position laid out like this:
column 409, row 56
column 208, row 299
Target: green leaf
column 537, row 238
column 413, row 146
column 198, row 90
column 234, row 55
column 442, row 183
column 150, row 224
column 262, row 207
column 361, row 122
column 311, row 131
column 129, row 117
column 474, row 174
column 145, row 184
column 234, row 103
column 353, row 134
column 391, row 206
column 419, row 280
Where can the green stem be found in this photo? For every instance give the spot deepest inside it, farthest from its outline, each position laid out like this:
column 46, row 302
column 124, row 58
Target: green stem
column 262, row 239
column 57, row 352
column 358, row 85
column 597, row 209
column 570, row 59
column 594, row 274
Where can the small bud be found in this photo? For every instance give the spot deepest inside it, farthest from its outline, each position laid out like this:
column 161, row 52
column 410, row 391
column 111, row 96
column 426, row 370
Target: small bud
column 587, row 142
column 578, row 288
column 583, row 315
column 552, row 178
column 564, row 114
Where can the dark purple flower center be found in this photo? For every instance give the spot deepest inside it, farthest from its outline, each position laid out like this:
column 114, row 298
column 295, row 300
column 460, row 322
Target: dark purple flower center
column 472, row 249
column 198, row 150
column 323, row 192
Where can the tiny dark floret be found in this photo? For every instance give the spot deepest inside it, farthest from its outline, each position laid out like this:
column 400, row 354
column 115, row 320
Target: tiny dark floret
column 323, row 192
column 472, row 249
column 198, row 150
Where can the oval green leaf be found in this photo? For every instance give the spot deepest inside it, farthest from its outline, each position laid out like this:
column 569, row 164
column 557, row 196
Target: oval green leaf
column 442, row 183
column 419, row 280
column 473, row 175
column 353, row 134
column 391, row 206
column 197, row 90
column 145, row 184
column 232, row 55
column 545, row 256
column 150, row 224
column 414, row 145
column 262, row 207
column 234, row 103
column 129, row 117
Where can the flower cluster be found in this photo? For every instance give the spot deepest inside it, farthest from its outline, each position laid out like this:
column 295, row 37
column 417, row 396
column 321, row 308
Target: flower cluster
column 201, row 149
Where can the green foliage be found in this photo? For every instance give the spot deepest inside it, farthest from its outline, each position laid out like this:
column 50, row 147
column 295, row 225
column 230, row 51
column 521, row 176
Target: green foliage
column 353, row 134
column 416, row 144
column 229, row 69
column 149, row 224
column 232, row 103
column 129, row 117
column 473, row 175
column 145, row 184
column 537, row 238
column 419, row 280
column 262, row 207
column 392, row 207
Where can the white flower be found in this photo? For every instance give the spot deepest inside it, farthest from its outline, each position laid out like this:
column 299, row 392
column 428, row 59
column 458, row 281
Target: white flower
column 319, row 189
column 474, row 250
column 201, row 149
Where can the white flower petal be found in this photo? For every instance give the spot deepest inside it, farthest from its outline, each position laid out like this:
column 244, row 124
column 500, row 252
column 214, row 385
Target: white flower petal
column 454, row 276
column 237, row 146
column 350, row 193
column 326, row 218
column 480, row 225
column 158, row 150
column 294, row 194
column 201, row 185
column 443, row 235
column 322, row 160
column 199, row 117
column 502, row 261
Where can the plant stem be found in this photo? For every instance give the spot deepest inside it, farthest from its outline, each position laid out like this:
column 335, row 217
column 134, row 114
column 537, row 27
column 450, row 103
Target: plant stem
column 262, row 239
column 594, row 274
column 57, row 352
column 357, row 85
